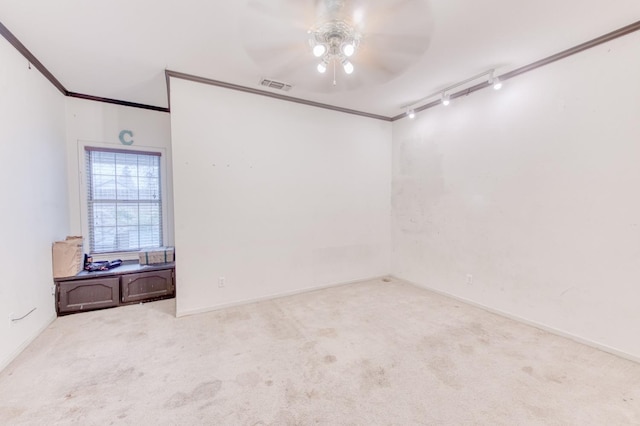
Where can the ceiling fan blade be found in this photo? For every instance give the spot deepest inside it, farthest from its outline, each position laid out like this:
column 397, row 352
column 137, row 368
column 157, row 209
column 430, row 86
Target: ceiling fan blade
column 377, row 69
column 406, row 43
column 275, row 53
column 395, row 34
column 384, row 10
column 296, row 13
column 291, row 66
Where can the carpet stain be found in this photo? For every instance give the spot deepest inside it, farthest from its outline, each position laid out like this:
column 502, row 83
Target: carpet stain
column 278, row 326
column 327, row 332
column 110, row 321
column 250, row 379
column 443, row 368
column 205, row 406
column 528, row 370
column 312, row 394
column 10, row 413
column 269, row 383
column 433, row 342
column 481, row 334
column 309, row 345
column 284, row 418
column 135, row 336
column 466, row 349
column 373, row 376
column 206, row 390
column 235, row 316
column 539, row 412
column 329, row 359
column 121, row 375
column 555, row 379
column 124, row 411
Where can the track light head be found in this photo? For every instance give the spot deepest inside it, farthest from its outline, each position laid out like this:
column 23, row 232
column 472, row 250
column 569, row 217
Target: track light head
column 494, row 81
column 411, row 114
column 446, row 99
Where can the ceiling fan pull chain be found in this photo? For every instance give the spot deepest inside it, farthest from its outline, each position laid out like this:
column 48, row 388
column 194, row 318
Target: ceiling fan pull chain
column 334, row 72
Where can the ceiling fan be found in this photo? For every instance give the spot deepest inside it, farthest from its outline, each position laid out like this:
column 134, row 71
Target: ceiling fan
column 335, row 45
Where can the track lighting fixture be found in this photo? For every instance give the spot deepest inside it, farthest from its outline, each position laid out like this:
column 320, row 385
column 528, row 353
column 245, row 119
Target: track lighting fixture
column 488, row 79
column 411, row 114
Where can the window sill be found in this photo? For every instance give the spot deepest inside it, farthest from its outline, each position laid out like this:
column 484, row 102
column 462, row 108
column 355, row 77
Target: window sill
column 124, row 255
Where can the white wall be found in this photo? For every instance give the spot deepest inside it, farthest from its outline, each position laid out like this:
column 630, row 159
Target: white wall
column 99, row 124
column 274, row 196
column 534, row 191
column 34, row 198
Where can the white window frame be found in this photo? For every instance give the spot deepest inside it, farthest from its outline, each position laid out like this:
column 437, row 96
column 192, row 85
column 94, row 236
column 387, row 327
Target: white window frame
column 84, row 205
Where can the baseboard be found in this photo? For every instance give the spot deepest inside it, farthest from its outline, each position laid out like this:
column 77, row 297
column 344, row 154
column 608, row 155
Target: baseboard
column 270, row 297
column 535, row 324
column 5, row 363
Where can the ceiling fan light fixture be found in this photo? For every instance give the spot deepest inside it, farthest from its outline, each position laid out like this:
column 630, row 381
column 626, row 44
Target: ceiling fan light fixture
column 319, row 50
column 348, row 67
column 334, row 41
column 348, row 49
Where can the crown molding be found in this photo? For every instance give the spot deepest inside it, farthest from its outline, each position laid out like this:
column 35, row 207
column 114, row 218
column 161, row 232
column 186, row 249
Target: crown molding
column 13, row 40
column 17, row 44
column 245, row 89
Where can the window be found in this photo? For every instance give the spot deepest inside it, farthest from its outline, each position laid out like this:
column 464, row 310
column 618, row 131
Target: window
column 124, row 200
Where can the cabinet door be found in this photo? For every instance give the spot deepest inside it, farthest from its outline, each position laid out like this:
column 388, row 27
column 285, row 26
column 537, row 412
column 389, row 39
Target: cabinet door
column 147, row 285
column 85, row 295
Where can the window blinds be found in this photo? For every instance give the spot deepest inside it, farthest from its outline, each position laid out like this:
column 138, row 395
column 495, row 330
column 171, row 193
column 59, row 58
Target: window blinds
column 124, row 200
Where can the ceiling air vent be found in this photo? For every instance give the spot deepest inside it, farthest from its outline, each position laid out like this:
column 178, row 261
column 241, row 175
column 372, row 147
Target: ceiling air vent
column 273, row 84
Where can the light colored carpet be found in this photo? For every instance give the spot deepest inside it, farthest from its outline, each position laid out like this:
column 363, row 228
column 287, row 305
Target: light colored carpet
column 370, row 353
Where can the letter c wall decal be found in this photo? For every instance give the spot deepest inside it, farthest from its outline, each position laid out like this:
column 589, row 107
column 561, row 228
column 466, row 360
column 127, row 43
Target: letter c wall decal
column 125, row 141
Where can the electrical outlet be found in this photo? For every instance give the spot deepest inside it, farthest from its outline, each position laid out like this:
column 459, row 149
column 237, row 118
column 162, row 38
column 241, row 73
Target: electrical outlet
column 53, row 290
column 469, row 279
column 221, row 282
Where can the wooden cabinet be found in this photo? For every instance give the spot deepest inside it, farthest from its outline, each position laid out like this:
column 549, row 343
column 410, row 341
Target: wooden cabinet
column 129, row 283
column 85, row 295
column 146, row 285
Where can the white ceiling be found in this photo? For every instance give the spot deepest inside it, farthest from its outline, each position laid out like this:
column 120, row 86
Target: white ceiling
column 119, row 49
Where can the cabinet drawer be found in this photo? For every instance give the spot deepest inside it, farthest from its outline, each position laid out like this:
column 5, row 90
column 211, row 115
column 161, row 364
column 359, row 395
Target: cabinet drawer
column 147, row 285
column 85, row 295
